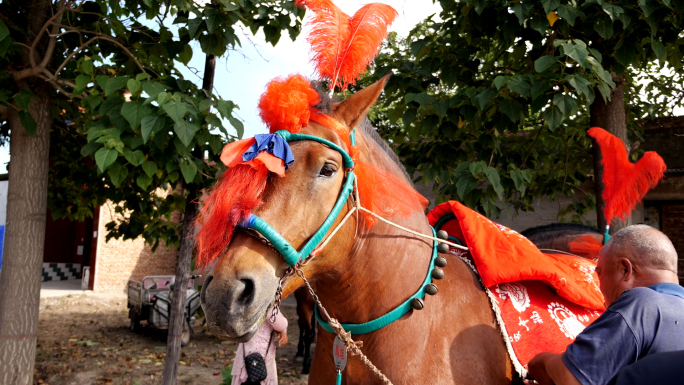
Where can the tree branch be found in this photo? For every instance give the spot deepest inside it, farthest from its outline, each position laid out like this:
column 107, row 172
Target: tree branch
column 98, row 36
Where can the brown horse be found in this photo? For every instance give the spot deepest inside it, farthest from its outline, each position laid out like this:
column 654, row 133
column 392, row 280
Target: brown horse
column 360, row 275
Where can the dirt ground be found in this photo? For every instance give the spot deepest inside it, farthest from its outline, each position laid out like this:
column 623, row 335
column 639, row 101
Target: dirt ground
column 85, row 339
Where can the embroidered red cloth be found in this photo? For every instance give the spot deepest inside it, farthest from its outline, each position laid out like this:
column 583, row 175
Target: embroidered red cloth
column 536, row 319
column 503, row 256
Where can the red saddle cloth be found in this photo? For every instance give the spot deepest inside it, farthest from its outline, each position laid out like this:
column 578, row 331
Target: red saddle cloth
column 542, row 301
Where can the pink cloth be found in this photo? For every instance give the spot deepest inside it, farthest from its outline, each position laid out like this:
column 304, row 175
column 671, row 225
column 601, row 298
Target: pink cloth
column 259, row 344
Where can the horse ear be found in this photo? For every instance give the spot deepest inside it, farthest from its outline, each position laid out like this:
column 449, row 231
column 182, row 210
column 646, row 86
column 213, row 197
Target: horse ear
column 352, row 111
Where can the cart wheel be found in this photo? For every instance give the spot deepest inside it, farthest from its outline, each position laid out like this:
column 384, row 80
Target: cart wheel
column 185, row 335
column 135, row 323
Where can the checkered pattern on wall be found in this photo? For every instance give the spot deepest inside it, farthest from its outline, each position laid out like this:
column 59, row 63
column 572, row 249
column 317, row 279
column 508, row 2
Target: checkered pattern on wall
column 61, row 271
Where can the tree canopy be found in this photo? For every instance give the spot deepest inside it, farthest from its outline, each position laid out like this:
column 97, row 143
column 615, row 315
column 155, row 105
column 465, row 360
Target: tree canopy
column 491, row 99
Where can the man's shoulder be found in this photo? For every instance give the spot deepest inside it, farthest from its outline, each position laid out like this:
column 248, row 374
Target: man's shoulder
column 644, row 301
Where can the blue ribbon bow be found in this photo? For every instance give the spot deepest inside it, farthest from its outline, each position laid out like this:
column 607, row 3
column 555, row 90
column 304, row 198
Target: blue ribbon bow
column 272, row 143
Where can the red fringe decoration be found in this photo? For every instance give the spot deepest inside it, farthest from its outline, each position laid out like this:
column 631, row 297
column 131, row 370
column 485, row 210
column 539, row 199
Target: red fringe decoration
column 368, row 29
column 625, row 183
column 342, row 46
column 287, row 102
column 236, row 193
column 586, row 246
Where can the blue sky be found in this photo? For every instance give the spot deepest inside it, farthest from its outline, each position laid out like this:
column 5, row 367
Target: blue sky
column 241, row 76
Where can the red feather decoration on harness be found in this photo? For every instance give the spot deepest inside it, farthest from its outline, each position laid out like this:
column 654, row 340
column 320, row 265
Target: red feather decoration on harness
column 625, row 184
column 343, row 47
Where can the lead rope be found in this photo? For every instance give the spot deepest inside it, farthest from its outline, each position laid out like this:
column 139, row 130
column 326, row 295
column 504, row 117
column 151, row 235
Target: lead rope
column 352, row 346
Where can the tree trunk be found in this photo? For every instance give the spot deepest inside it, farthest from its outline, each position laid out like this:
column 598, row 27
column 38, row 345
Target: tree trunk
column 610, row 116
column 173, row 342
column 24, row 238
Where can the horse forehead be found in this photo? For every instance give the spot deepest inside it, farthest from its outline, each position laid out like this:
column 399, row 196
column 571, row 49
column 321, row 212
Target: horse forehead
column 316, row 129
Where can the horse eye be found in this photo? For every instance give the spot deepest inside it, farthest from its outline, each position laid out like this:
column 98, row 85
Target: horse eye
column 326, row 171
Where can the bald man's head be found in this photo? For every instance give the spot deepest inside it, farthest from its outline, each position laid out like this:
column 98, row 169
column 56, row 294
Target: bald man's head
column 644, row 246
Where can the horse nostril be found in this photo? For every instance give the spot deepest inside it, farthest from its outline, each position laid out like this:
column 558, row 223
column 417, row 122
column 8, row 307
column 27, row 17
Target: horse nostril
column 247, row 295
column 203, row 292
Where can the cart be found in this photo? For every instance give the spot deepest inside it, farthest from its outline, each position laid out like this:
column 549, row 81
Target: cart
column 150, row 300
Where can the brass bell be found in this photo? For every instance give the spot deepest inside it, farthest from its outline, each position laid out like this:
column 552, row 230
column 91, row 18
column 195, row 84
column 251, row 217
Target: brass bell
column 417, row 304
column 431, row 289
column 440, row 261
column 441, row 234
column 443, row 248
column 437, row 273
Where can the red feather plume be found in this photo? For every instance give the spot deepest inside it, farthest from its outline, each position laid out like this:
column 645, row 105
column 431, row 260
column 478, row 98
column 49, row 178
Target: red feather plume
column 625, row 184
column 328, row 36
column 342, row 46
column 368, row 28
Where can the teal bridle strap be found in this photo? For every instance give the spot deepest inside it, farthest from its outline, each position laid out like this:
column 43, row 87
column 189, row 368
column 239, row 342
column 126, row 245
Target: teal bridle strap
column 393, row 315
column 289, row 253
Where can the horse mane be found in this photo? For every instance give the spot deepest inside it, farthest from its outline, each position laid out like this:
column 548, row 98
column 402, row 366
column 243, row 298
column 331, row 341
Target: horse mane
column 552, row 231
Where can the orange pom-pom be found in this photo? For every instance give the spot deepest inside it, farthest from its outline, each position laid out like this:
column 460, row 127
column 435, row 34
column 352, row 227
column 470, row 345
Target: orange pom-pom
column 286, row 103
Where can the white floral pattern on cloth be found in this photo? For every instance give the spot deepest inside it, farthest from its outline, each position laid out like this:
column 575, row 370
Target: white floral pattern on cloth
column 587, row 270
column 517, row 293
column 566, row 320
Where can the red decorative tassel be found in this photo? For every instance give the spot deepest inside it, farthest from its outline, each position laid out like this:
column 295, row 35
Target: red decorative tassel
column 586, row 246
column 625, row 184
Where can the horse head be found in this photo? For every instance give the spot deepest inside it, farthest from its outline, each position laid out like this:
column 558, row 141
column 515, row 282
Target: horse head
column 247, row 273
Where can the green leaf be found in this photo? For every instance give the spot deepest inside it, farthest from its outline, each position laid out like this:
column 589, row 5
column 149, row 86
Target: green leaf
column 604, row 28
column 136, row 158
column 94, row 101
column 521, row 10
column 151, row 124
column 175, row 110
column 614, row 11
column 117, row 173
column 626, row 54
column 133, row 85
column 550, row 5
column 239, row 127
column 87, row 66
column 658, row 48
column 81, row 83
column 143, row 181
column 512, row 108
column 193, row 26
column 423, row 99
column 115, row 84
column 519, row 181
column 173, row 176
column 152, row 89
column 543, row 63
column 520, row 85
column 484, row 97
column 568, row 13
column 579, row 83
column 142, row 76
column 90, row 148
column 4, row 31
column 104, row 158
column 185, row 131
column 4, row 46
column 149, row 167
column 186, row 55
column 553, row 117
column 189, row 170
column 23, row 98
column 28, row 123
column 134, row 112
column 565, row 103
column 493, row 176
column 540, row 24
column 216, row 144
column 225, row 107
column 577, row 52
column 205, row 104
column 499, row 81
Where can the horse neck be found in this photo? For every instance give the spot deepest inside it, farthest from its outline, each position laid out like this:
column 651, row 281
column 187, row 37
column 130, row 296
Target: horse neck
column 386, row 265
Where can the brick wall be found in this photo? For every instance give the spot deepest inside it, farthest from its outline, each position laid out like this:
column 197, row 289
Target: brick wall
column 118, row 260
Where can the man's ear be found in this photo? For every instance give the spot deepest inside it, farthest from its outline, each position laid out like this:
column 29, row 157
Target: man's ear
column 352, row 111
column 626, row 267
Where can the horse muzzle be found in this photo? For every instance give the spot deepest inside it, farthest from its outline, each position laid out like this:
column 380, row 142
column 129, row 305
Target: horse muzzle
column 236, row 308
